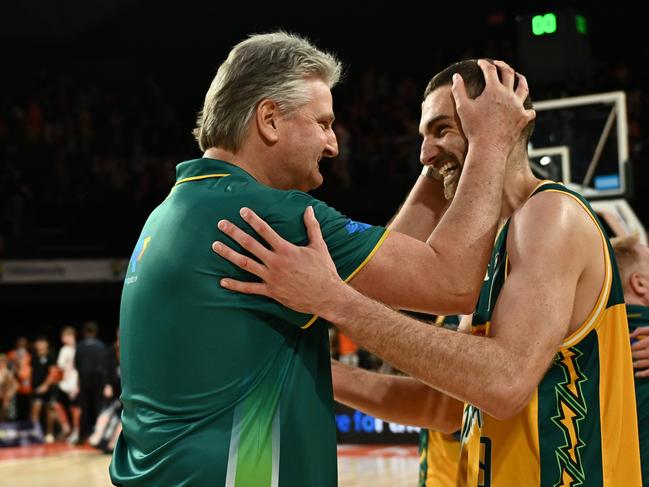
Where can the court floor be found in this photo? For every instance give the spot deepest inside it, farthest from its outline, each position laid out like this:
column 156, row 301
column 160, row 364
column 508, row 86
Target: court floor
column 60, row 465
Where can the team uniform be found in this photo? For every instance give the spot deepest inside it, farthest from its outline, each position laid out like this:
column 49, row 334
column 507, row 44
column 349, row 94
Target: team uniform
column 439, row 452
column 639, row 316
column 580, row 427
column 438, row 457
column 222, row 388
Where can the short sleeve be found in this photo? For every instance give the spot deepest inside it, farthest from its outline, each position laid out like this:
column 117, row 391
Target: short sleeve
column 351, row 244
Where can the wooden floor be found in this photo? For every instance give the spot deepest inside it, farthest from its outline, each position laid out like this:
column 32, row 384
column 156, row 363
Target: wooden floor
column 59, row 465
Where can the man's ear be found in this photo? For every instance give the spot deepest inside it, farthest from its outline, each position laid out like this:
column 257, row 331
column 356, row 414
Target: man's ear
column 639, row 284
column 266, row 117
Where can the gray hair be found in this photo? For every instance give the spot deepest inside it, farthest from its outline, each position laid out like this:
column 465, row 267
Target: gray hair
column 273, row 66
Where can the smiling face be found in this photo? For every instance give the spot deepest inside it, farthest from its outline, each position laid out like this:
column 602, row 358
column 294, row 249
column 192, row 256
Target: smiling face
column 444, row 145
column 306, row 136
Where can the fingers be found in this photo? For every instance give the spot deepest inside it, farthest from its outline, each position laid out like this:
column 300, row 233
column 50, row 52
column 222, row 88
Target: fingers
column 262, row 228
column 242, row 238
column 458, row 90
column 640, row 364
column 313, row 229
column 641, row 344
column 507, row 74
column 641, row 330
column 522, row 90
column 642, row 374
column 245, row 287
column 489, row 71
column 640, row 355
column 241, row 261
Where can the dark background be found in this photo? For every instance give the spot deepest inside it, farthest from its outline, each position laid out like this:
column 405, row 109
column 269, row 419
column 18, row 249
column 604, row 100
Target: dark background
column 98, row 99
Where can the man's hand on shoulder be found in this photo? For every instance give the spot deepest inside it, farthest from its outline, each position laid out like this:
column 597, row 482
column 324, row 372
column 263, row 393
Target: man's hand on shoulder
column 302, row 278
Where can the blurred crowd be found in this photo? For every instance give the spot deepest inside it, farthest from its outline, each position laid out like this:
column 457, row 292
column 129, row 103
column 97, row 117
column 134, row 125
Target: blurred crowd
column 71, row 395
column 83, row 161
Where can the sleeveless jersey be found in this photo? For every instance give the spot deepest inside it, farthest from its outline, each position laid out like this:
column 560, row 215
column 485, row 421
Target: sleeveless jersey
column 580, row 427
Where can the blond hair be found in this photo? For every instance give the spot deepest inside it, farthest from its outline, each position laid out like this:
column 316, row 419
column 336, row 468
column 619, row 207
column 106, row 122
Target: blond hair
column 626, row 255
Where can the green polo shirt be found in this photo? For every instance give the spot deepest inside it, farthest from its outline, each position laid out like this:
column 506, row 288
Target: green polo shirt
column 220, row 388
column 639, row 316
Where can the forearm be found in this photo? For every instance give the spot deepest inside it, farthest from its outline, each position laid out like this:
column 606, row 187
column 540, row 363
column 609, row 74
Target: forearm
column 397, row 399
column 422, row 210
column 467, row 230
column 471, row 369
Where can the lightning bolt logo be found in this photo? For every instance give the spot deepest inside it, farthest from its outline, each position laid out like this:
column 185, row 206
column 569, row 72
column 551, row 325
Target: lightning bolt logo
column 571, row 409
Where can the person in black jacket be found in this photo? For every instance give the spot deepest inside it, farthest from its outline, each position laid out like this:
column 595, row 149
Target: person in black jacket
column 89, row 361
column 109, row 424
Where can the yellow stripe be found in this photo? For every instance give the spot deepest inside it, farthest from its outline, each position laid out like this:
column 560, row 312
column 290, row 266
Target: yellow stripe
column 196, row 178
column 371, row 254
column 310, row 322
column 358, row 269
column 597, row 310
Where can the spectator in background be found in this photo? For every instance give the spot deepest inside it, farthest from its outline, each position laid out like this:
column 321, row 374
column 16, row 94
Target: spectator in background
column 109, row 424
column 633, row 263
column 112, row 385
column 67, row 391
column 89, row 360
column 42, row 384
column 20, row 361
column 8, row 387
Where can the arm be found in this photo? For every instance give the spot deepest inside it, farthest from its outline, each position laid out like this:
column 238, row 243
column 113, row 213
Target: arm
column 547, row 249
column 422, row 210
column 549, row 243
column 397, row 399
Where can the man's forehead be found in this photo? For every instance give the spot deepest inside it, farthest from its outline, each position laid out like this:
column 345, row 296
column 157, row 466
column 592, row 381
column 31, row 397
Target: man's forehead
column 439, row 104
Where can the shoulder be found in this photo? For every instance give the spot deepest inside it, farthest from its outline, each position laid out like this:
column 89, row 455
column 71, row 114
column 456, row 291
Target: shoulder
column 551, row 223
column 553, row 214
column 287, row 204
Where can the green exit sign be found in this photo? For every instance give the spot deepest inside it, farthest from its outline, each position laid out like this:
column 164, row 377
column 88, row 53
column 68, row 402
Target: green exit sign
column 544, row 24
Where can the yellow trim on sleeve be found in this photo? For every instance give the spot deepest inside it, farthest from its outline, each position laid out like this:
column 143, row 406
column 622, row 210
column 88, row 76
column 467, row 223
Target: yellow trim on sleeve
column 196, row 178
column 356, row 271
column 310, row 322
column 369, row 256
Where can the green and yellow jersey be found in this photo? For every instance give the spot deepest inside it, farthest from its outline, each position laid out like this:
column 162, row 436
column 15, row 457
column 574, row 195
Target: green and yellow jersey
column 221, row 388
column 580, row 428
column 439, row 452
column 438, row 458
column 639, row 316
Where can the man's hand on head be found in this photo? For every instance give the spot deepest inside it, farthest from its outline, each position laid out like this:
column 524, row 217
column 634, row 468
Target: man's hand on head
column 497, row 116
